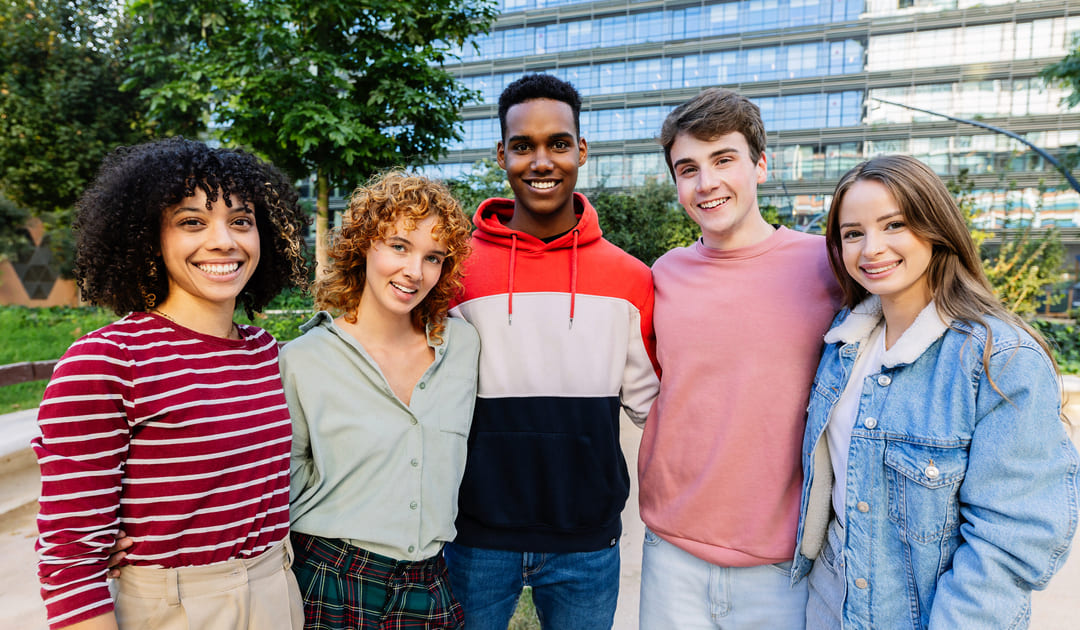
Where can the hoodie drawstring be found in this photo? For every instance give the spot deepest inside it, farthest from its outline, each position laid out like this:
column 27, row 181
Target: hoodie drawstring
column 510, row 289
column 573, row 277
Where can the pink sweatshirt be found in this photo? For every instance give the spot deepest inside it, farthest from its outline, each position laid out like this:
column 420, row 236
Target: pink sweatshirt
column 739, row 335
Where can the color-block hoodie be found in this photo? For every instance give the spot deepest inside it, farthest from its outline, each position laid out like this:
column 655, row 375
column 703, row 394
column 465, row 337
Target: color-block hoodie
column 565, row 340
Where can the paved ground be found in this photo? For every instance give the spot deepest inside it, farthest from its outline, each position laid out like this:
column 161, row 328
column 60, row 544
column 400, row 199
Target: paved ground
column 1057, row 608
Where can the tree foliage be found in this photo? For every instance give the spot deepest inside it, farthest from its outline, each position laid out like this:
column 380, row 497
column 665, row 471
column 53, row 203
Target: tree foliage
column 1066, row 73
column 486, row 180
column 340, row 88
column 646, row 221
column 1022, row 265
column 61, row 109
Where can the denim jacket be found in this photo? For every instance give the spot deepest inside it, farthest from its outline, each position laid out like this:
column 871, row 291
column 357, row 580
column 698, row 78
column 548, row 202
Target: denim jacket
column 960, row 500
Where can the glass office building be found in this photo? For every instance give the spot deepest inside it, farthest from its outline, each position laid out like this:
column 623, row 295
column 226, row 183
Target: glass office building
column 832, row 78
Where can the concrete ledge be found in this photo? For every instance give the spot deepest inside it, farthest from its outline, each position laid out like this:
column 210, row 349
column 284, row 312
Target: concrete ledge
column 16, row 431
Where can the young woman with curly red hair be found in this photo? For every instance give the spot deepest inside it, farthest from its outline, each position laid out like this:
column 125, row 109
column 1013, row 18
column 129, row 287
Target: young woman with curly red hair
column 381, row 394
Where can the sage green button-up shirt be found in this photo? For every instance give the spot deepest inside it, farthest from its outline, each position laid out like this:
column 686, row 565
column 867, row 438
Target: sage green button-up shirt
column 366, row 468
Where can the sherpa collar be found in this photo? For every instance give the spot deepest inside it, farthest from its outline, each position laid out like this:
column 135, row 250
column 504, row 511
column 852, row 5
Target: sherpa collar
column 862, row 320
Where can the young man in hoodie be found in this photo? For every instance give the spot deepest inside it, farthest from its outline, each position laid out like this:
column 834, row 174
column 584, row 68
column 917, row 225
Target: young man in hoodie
column 565, row 323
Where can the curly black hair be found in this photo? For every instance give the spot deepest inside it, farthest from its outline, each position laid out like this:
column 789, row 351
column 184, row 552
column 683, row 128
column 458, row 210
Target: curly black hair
column 533, row 86
column 118, row 221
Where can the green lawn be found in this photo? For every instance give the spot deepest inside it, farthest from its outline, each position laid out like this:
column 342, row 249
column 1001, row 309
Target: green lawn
column 40, row 334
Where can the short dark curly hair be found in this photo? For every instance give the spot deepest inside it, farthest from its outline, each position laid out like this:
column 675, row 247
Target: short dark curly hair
column 118, row 221
column 533, row 86
column 374, row 210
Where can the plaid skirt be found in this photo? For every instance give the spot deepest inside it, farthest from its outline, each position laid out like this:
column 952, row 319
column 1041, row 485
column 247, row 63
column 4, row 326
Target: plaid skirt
column 346, row 587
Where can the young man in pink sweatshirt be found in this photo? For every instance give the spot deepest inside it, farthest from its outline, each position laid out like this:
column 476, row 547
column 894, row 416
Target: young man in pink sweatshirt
column 739, row 318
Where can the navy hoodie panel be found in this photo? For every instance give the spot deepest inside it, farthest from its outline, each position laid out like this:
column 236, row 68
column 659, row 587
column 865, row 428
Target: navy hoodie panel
column 544, row 474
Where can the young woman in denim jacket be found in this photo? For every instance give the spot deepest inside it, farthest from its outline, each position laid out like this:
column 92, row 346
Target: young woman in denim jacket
column 938, row 414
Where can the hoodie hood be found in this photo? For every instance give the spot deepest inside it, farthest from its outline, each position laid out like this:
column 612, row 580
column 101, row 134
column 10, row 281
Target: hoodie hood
column 490, row 216
column 489, row 220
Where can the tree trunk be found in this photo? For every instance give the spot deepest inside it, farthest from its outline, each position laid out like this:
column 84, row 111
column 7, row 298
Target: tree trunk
column 322, row 222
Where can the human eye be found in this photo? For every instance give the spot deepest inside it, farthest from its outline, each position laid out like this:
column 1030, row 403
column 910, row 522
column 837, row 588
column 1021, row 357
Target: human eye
column 895, row 225
column 245, row 221
column 434, row 259
column 850, row 235
column 189, row 222
column 397, row 247
column 560, row 145
column 520, row 147
column 687, row 171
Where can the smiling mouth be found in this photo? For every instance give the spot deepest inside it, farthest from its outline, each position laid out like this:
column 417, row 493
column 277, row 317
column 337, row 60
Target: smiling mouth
column 218, row 269
column 881, row 269
column 543, row 185
column 402, row 289
column 713, row 203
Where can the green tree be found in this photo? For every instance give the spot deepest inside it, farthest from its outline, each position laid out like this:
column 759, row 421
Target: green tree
column 14, row 240
column 647, row 221
column 61, row 109
column 1023, row 264
column 339, row 88
column 486, row 180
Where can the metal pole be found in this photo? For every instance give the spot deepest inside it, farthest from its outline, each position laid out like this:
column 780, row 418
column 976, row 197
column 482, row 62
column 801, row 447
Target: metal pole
column 1046, row 156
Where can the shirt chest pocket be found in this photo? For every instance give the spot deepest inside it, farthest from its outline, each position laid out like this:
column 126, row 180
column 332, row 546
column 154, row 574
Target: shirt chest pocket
column 923, row 489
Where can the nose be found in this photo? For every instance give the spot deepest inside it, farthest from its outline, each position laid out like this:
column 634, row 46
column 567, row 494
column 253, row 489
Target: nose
column 542, row 160
column 414, row 267
column 873, row 243
column 220, row 236
column 706, row 180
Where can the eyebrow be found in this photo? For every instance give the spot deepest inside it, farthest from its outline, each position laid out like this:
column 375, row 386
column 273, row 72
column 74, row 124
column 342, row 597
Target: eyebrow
column 714, row 154
column 405, row 240
column 879, row 219
column 565, row 135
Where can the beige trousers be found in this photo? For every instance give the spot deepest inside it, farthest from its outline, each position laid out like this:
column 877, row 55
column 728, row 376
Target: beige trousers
column 249, row 594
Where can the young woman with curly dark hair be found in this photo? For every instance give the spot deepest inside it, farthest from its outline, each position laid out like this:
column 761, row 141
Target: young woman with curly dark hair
column 382, row 399
column 171, row 423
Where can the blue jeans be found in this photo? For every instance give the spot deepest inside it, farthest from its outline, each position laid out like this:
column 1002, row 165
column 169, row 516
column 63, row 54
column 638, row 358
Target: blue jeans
column 827, row 583
column 680, row 590
column 572, row 591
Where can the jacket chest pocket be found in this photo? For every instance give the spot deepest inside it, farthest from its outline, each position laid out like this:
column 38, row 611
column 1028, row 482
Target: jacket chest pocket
column 923, row 489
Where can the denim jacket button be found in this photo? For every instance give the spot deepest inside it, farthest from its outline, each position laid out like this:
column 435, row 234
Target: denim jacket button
column 932, row 471
column 884, row 380
column 861, row 583
column 870, row 422
column 863, row 506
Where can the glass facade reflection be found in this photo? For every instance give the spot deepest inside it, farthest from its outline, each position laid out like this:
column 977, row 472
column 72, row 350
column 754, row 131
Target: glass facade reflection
column 831, row 78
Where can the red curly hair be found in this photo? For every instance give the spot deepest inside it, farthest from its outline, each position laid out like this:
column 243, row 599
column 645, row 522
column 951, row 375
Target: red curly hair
column 373, row 212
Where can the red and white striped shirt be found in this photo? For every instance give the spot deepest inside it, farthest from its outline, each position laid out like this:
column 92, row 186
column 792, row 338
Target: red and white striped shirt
column 180, row 439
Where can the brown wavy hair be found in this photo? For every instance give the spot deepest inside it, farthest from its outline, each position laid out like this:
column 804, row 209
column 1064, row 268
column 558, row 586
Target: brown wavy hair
column 373, row 211
column 118, row 221
column 955, row 274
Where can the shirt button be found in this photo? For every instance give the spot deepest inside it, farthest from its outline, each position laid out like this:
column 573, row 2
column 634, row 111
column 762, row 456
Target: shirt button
column 884, row 380
column 863, row 506
column 861, row 583
column 932, row 471
column 870, row 422
column 415, row 462
column 412, row 506
column 412, row 548
column 423, row 385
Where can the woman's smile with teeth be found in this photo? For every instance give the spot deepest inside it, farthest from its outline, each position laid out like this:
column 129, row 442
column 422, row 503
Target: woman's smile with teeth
column 219, row 268
column 882, row 269
column 545, row 185
column 401, row 288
